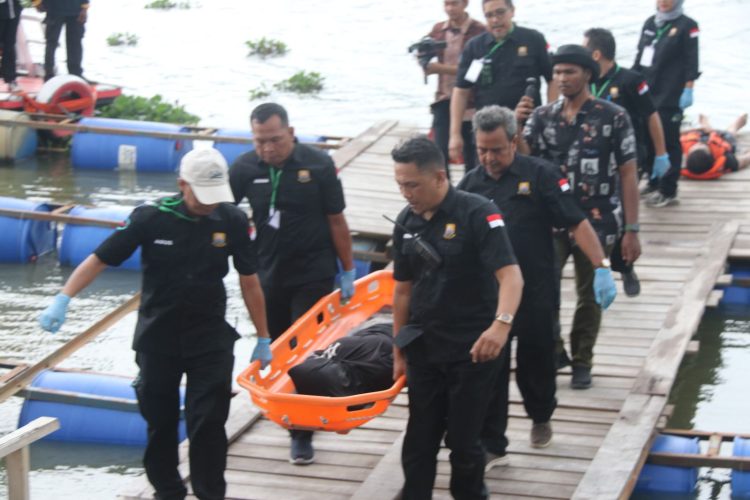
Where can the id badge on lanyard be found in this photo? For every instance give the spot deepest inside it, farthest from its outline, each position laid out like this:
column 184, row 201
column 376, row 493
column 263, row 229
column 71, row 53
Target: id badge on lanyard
column 647, row 56
column 472, row 74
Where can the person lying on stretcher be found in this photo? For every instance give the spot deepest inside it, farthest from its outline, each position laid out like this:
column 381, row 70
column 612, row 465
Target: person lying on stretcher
column 358, row 363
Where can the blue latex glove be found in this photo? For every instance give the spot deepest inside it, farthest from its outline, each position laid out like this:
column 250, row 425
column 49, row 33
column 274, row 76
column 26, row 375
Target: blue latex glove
column 686, row 99
column 604, row 287
column 347, row 284
column 262, row 352
column 661, row 165
column 53, row 317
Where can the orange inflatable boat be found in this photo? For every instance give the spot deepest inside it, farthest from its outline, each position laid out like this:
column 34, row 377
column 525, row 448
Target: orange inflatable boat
column 325, row 322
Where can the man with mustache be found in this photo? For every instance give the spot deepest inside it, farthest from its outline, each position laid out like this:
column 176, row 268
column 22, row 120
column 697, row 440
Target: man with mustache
column 535, row 198
column 495, row 66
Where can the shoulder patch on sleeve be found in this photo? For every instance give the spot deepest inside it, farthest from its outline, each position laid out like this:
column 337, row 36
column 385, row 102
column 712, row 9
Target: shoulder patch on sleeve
column 564, row 185
column 495, row 220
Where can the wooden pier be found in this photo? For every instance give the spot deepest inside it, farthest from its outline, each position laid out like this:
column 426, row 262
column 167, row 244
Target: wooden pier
column 601, row 435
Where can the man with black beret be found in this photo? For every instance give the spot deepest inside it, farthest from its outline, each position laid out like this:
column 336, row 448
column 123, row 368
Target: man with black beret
column 593, row 143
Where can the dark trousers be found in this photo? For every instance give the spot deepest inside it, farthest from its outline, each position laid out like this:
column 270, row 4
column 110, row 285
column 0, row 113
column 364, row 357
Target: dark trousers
column 588, row 314
column 446, row 399
column 441, row 127
column 534, row 331
column 207, row 395
column 671, row 119
column 8, row 29
column 73, row 41
column 284, row 305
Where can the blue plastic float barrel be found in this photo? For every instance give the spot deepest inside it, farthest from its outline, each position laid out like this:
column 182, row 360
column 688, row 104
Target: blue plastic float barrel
column 737, row 295
column 110, row 151
column 667, row 479
column 24, row 240
column 82, row 423
column 741, row 480
column 16, row 142
column 232, row 150
column 78, row 241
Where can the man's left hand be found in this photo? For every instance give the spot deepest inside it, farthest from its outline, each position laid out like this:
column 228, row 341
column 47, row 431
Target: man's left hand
column 605, row 290
column 347, row 284
column 686, row 99
column 631, row 247
column 262, row 352
column 490, row 343
column 661, row 165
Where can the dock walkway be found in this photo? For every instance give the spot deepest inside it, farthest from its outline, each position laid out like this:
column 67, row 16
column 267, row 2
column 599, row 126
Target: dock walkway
column 601, row 435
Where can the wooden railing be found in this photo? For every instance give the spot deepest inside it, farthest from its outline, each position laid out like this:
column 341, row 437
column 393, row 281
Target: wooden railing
column 14, row 447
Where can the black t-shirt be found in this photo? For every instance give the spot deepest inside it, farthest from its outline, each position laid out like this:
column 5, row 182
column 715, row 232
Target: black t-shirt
column 589, row 152
column 184, row 260
column 533, row 201
column 457, row 301
column 628, row 89
column 675, row 58
column 301, row 250
column 524, row 54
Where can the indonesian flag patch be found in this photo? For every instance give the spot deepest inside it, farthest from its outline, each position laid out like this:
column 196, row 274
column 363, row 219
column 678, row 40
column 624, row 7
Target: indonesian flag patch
column 495, row 220
column 642, row 88
column 694, row 33
column 564, row 186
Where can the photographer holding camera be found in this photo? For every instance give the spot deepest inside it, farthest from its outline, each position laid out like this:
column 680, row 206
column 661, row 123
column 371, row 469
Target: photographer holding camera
column 458, row 29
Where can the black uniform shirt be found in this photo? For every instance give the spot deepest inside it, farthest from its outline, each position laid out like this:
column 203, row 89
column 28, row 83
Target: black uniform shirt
column 301, row 250
column 523, row 55
column 184, row 260
column 628, row 89
column 675, row 58
column 456, row 302
column 533, row 200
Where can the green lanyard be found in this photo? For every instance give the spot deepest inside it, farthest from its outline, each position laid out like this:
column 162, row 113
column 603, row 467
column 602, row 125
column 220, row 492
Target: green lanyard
column 275, row 175
column 660, row 33
column 168, row 205
column 486, row 66
column 598, row 93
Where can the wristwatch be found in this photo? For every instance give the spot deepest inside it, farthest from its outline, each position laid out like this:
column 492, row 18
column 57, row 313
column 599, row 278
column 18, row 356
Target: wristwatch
column 606, row 264
column 632, row 228
column 504, row 318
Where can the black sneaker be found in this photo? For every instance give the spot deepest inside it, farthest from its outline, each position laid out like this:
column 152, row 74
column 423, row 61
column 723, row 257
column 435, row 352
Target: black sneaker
column 660, row 201
column 541, row 435
column 631, row 284
column 581, row 377
column 495, row 460
column 302, row 452
column 647, row 190
column 563, row 360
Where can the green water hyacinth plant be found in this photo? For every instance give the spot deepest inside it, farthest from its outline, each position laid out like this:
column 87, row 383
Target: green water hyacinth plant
column 118, row 39
column 153, row 109
column 302, row 82
column 167, row 5
column 266, row 47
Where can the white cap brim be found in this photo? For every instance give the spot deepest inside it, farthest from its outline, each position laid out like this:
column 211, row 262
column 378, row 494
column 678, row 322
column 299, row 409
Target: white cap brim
column 210, row 195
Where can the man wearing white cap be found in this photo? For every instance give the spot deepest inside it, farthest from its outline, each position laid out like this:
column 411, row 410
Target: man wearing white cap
column 186, row 241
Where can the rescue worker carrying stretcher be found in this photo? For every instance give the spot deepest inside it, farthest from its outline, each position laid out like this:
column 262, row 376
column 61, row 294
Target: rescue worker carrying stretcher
column 185, row 241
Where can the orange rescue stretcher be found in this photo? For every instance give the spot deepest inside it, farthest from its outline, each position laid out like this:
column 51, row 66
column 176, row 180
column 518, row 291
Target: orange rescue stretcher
column 325, row 322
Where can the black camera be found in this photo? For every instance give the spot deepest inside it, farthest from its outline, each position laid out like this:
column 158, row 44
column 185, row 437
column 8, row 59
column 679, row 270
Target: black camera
column 426, row 49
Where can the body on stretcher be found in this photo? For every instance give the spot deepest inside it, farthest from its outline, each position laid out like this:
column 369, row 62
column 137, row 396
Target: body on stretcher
column 328, row 320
